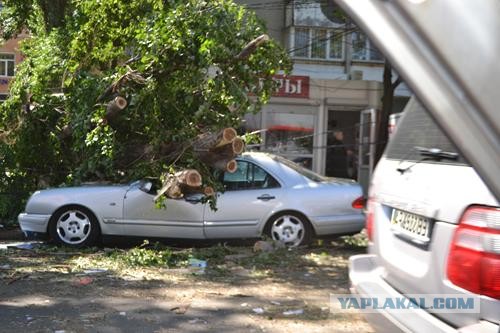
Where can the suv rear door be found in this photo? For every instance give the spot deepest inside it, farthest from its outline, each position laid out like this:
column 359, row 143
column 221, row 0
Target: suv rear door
column 427, row 190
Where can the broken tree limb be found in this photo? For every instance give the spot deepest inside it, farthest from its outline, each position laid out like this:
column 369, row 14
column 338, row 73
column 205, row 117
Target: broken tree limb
column 171, row 189
column 252, row 46
column 176, row 185
column 232, row 149
column 209, row 191
column 226, row 165
column 66, row 132
column 115, row 107
column 190, row 177
column 208, row 141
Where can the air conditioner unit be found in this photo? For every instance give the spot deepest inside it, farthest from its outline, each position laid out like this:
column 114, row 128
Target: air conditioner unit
column 357, row 75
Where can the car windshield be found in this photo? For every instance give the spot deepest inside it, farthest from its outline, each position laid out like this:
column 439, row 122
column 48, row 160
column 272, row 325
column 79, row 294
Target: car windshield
column 417, row 131
column 301, row 170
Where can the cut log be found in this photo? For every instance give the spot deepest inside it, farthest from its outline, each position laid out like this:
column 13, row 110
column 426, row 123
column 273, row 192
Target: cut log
column 226, row 165
column 208, row 141
column 189, row 177
column 232, row 149
column 114, row 108
column 209, row 191
column 66, row 132
column 238, row 146
column 185, row 181
column 171, row 189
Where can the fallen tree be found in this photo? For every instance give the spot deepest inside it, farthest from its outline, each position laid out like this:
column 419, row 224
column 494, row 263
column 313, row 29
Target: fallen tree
column 122, row 90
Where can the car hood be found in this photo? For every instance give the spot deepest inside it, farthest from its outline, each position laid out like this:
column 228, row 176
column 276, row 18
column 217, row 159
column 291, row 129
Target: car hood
column 83, row 189
column 46, row 201
column 447, row 52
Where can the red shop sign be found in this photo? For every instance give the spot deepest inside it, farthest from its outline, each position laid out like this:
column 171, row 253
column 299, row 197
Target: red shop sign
column 292, row 86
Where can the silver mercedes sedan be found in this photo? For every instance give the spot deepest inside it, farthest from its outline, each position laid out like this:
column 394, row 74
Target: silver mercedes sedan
column 267, row 195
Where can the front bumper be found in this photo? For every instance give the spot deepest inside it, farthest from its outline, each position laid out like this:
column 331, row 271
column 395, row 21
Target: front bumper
column 33, row 223
column 366, row 280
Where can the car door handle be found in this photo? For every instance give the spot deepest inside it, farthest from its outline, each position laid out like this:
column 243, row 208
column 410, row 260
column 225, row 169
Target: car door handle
column 266, row 197
column 194, row 199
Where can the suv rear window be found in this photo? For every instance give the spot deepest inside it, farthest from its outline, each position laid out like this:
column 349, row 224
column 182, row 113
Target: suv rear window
column 417, row 129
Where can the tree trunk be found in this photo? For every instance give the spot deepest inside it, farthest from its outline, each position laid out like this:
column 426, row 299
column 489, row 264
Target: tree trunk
column 383, row 117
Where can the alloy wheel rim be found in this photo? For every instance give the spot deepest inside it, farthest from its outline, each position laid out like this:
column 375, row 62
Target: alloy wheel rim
column 73, row 227
column 288, row 229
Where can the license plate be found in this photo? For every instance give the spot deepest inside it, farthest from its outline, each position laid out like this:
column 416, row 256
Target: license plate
column 415, row 227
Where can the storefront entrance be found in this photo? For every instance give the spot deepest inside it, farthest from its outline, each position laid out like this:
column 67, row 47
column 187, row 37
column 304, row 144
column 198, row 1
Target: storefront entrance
column 350, row 146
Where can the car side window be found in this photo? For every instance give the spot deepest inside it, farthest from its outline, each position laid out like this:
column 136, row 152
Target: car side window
column 248, row 176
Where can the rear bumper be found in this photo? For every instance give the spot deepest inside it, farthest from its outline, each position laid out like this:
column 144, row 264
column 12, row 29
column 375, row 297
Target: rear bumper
column 338, row 224
column 366, row 280
column 33, row 223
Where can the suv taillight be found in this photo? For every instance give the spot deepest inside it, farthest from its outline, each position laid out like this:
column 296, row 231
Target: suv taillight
column 474, row 259
column 369, row 219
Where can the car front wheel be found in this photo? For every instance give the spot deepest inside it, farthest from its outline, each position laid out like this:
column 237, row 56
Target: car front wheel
column 74, row 226
column 290, row 229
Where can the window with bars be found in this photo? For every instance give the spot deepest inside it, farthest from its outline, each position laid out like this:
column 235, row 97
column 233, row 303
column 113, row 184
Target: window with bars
column 328, row 44
column 316, row 43
column 7, row 64
column 363, row 48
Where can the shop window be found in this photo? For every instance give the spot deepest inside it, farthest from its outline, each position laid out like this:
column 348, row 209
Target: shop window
column 291, row 134
column 7, row 64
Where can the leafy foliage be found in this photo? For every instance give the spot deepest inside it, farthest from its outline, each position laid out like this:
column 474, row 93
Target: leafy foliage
column 188, row 81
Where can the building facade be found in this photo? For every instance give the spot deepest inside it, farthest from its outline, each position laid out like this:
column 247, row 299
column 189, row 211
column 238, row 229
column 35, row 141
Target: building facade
column 335, row 86
column 10, row 56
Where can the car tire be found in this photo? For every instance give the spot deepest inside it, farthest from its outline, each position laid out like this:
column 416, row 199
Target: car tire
column 290, row 228
column 74, row 226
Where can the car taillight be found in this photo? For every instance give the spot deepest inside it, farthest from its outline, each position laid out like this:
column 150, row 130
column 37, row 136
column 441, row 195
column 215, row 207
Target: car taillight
column 369, row 219
column 359, row 203
column 474, row 259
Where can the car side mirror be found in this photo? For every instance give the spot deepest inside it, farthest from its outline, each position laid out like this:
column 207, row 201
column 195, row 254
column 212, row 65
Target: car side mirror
column 146, row 186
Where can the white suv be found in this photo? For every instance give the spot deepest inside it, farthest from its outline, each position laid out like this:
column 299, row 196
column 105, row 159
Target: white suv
column 434, row 228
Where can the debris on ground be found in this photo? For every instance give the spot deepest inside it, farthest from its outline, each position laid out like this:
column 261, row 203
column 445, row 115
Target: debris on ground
column 260, row 288
column 84, row 281
column 95, row 271
column 258, row 310
column 263, row 246
column 197, row 266
column 180, row 309
column 240, row 295
column 268, row 246
column 293, row 312
column 23, row 246
column 235, row 257
column 17, row 278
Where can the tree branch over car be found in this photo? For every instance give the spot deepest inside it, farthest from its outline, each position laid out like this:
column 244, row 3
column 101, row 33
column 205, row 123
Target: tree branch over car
column 127, row 89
